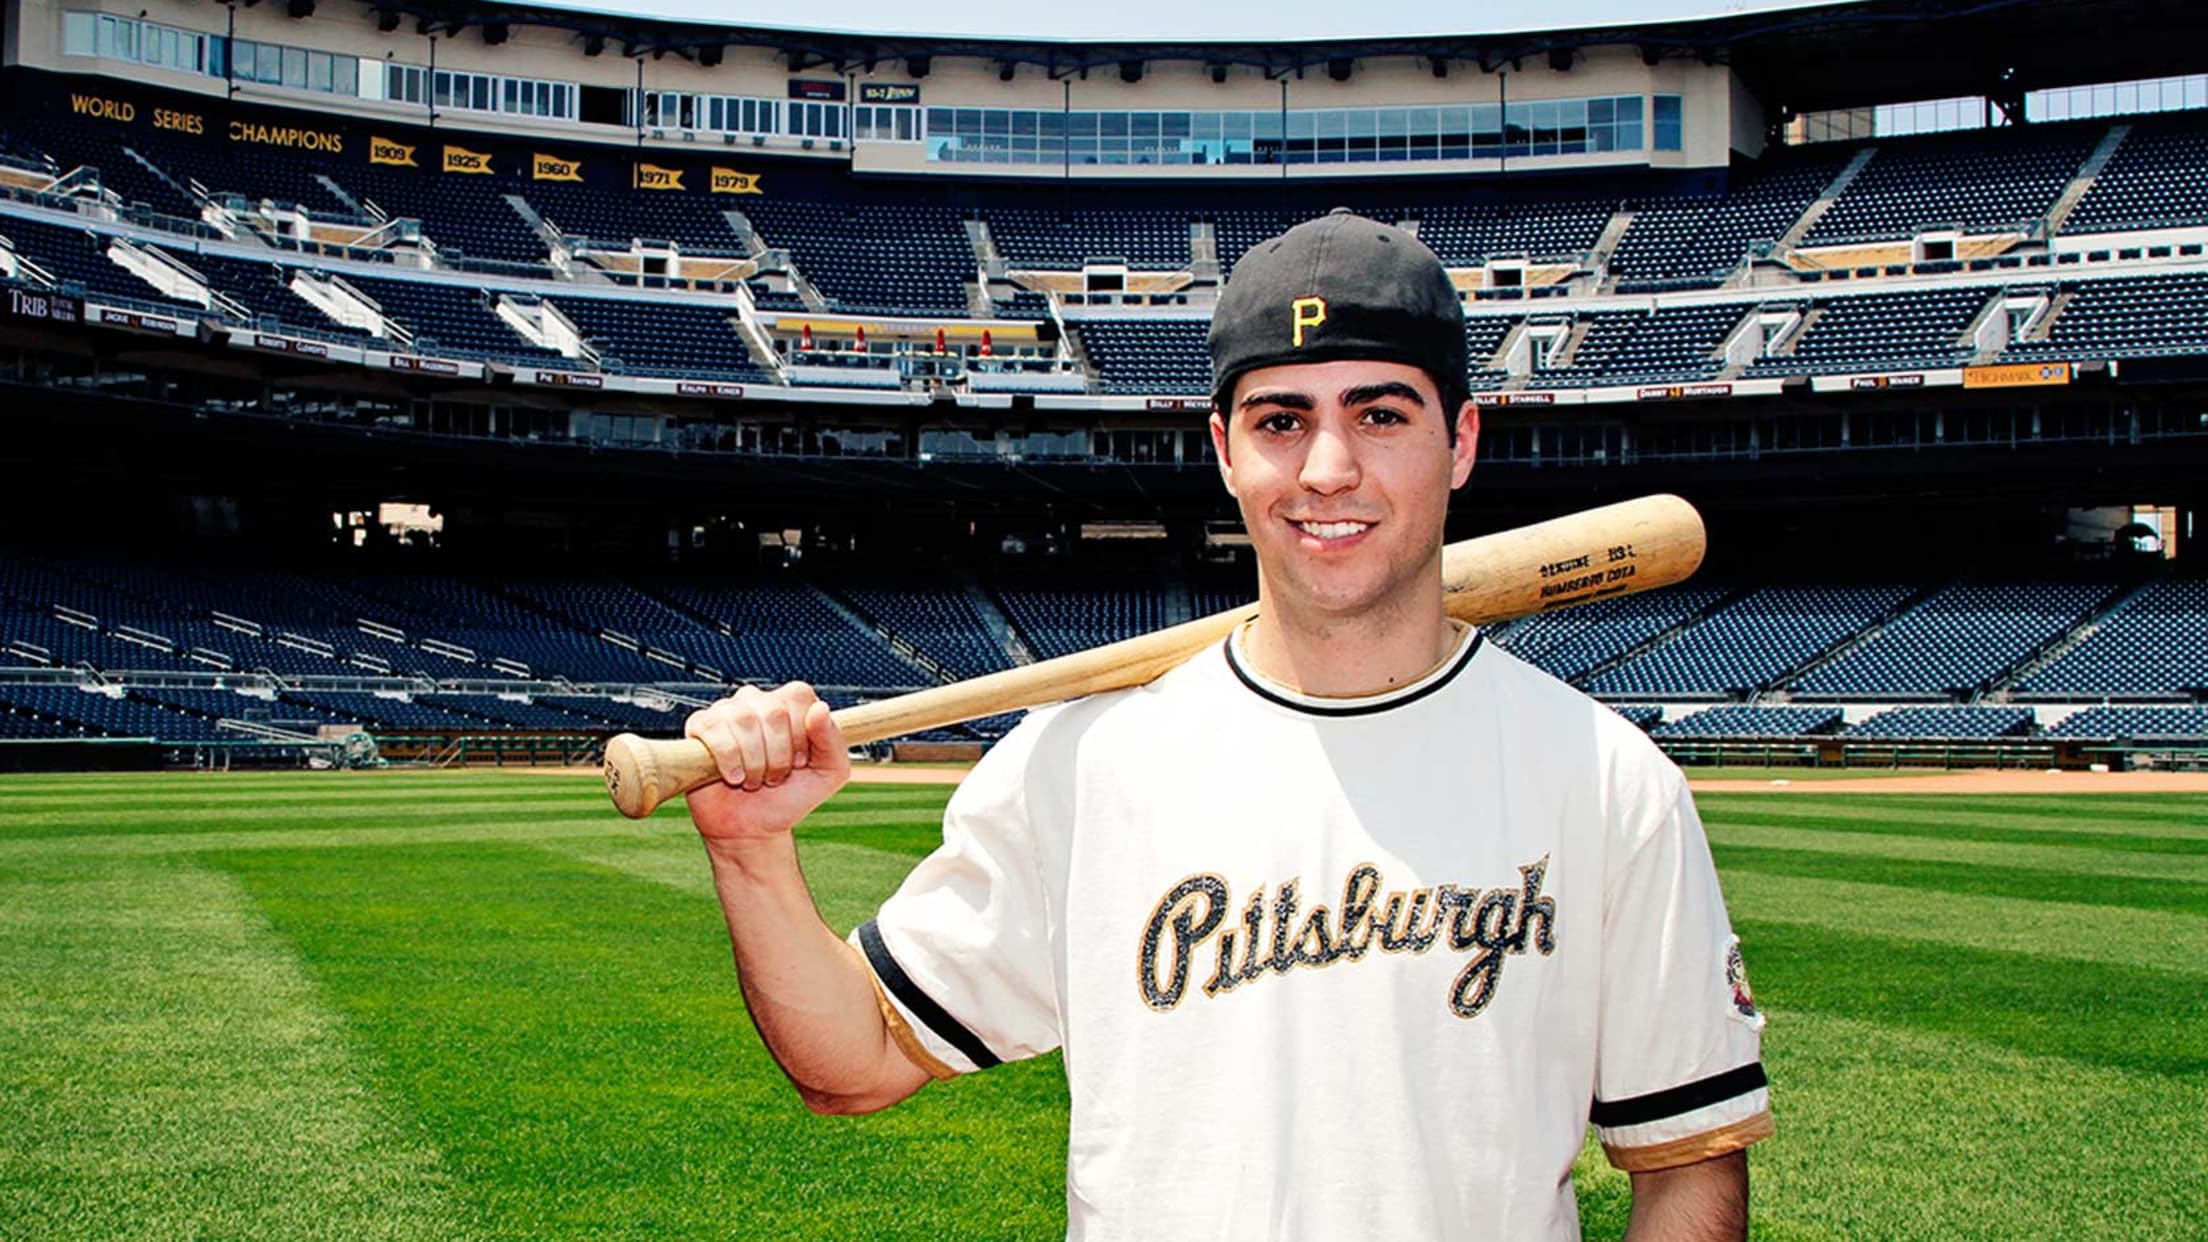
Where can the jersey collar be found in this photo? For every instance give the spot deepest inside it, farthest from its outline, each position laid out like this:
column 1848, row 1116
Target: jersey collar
column 1468, row 645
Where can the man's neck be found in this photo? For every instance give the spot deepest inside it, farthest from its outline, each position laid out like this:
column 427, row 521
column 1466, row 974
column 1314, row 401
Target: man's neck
column 1337, row 659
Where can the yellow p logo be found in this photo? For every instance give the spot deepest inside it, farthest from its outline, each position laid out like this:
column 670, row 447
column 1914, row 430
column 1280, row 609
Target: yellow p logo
column 1306, row 313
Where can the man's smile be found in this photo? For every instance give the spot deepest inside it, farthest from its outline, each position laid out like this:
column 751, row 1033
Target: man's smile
column 1331, row 532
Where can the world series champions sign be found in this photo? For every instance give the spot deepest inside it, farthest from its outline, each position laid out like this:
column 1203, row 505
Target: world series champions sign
column 386, row 144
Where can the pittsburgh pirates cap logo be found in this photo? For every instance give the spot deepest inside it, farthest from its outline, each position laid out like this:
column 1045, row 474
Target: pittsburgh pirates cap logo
column 1306, row 313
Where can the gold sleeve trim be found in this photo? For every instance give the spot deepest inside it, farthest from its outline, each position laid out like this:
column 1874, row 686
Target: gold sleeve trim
column 1694, row 1148
column 907, row 1042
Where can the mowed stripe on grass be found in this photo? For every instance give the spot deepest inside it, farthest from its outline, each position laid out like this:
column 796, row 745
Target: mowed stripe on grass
column 168, row 1071
column 575, row 1038
column 1984, row 1012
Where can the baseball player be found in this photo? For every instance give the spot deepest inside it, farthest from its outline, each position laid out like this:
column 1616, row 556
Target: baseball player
column 1349, row 927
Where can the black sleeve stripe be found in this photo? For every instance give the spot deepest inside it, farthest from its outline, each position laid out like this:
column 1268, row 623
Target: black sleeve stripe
column 947, row 1028
column 1673, row 1101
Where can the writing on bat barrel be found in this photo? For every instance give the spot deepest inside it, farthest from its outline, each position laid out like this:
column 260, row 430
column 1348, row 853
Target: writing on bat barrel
column 1578, row 578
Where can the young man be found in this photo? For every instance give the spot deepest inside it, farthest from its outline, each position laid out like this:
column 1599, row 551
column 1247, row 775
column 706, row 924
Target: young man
column 1348, row 927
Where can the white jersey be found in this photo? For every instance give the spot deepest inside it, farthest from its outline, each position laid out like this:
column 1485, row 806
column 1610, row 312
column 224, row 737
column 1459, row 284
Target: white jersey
column 1334, row 968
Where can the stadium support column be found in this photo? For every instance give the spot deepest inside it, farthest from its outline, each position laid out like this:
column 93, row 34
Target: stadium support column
column 1502, row 114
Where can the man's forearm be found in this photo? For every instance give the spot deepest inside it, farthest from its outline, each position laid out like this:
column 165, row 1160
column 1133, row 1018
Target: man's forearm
column 1703, row 1202
column 809, row 993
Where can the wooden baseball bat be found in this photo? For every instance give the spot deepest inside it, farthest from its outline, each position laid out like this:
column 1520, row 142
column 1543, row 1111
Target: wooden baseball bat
column 1637, row 545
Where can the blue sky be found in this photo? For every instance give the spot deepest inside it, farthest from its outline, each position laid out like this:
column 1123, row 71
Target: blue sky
column 1180, row 19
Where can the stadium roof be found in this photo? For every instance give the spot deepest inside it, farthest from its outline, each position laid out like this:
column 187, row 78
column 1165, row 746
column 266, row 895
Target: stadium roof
column 1807, row 59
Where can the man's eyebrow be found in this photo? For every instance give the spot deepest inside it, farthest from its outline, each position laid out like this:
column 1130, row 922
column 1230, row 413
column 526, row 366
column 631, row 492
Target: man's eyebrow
column 1287, row 400
column 1365, row 394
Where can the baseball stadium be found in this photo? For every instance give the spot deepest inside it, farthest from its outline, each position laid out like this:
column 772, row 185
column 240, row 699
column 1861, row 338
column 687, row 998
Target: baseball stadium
column 404, row 398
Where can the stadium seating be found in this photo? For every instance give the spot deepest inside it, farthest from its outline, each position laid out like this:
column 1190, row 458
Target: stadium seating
column 912, row 258
column 389, row 713
column 2136, row 724
column 268, row 712
column 24, row 724
column 462, row 215
column 2158, row 178
column 665, row 635
column 264, row 289
column 1944, row 723
column 71, row 147
column 935, row 616
column 2125, row 317
column 1466, row 233
column 2155, row 643
column 1237, row 229
column 1751, row 722
column 98, row 714
column 78, row 258
column 1883, row 331
column 1161, row 356
column 1636, row 347
column 1570, row 642
column 1747, row 643
column 1957, row 641
column 1694, row 238
column 1980, row 181
column 619, row 219
column 663, row 338
column 630, row 716
column 515, row 713
column 1058, row 620
column 785, row 631
column 1147, row 240
column 452, row 319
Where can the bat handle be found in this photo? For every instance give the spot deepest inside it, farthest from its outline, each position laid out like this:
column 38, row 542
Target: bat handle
column 642, row 773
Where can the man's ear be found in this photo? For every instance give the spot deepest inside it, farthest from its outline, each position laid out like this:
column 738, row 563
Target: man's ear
column 1219, row 450
column 1467, row 447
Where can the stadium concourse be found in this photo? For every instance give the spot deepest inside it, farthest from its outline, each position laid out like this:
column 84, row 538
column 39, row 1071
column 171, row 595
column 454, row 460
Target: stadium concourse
column 456, row 380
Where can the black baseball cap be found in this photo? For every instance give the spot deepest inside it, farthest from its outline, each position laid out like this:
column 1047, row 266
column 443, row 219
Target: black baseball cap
column 1340, row 286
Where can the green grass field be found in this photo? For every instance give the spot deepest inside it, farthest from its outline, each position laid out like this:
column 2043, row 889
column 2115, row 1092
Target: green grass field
column 447, row 1005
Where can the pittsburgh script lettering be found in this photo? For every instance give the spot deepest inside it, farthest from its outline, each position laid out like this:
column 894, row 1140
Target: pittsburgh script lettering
column 1276, row 936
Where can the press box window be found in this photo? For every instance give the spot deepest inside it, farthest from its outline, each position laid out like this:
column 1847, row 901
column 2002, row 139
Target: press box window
column 79, row 34
column 1666, row 117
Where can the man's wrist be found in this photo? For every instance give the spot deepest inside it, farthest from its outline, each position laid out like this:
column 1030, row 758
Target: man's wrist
column 753, row 859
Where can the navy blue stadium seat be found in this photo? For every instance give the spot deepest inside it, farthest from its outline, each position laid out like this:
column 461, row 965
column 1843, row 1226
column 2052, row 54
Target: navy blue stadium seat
column 2155, row 643
column 1748, row 722
column 1985, row 180
column 1944, row 724
column 2157, row 178
column 2136, row 724
column 1957, row 641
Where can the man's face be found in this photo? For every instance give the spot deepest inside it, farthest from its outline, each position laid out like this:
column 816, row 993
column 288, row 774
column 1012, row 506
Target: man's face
column 1343, row 471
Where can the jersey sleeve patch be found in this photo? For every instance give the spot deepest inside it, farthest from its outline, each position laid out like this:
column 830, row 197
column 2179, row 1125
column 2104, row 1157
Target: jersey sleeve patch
column 1736, row 978
column 899, row 986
